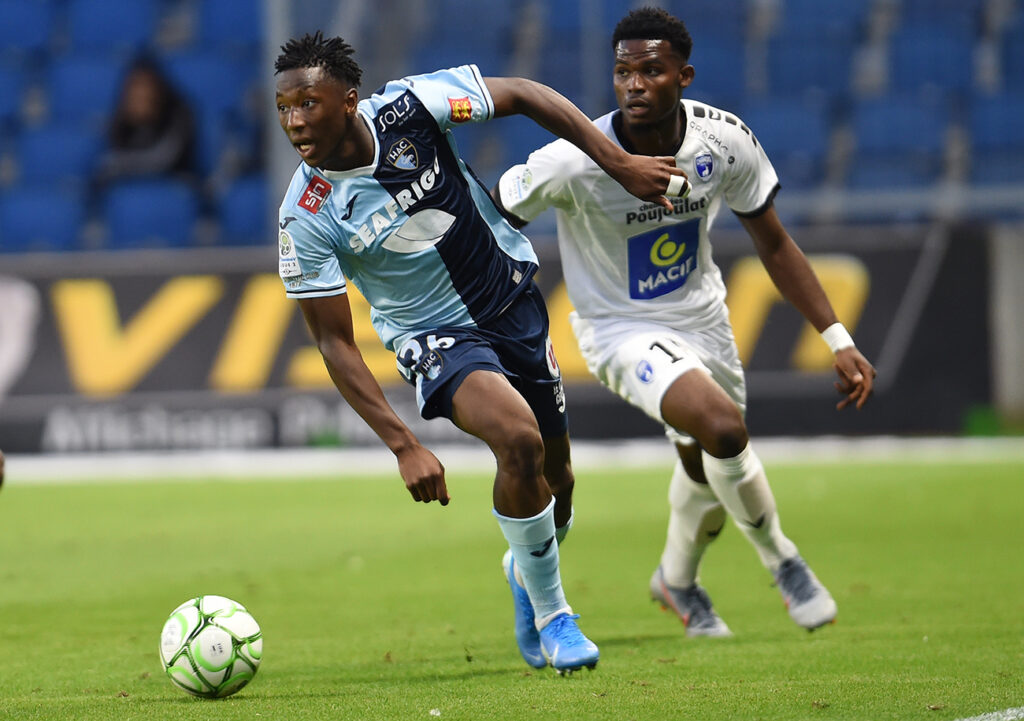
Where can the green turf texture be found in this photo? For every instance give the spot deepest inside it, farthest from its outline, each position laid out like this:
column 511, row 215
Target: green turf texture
column 374, row 607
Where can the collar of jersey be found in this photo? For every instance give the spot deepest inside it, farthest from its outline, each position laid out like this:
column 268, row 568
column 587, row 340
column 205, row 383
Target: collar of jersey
column 366, row 169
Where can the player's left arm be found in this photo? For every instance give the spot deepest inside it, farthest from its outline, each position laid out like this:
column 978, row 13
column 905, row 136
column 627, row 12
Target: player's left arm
column 793, row 276
column 647, row 177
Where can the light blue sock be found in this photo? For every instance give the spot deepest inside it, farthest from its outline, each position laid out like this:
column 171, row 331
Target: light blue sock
column 535, row 551
column 562, row 531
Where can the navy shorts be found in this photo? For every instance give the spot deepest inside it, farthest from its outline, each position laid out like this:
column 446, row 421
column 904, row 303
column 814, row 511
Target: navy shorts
column 515, row 344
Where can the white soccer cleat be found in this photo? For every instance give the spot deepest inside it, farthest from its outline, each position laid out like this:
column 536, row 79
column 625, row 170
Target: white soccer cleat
column 809, row 603
column 692, row 605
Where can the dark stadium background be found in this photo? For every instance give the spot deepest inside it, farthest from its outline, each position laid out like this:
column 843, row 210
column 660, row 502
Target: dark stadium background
column 894, row 126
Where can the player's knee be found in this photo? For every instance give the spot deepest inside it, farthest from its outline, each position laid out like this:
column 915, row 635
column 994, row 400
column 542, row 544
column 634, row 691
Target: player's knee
column 521, row 450
column 559, row 477
column 725, row 435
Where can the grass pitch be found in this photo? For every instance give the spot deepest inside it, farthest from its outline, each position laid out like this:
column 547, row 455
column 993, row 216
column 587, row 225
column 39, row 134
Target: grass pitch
column 373, row 607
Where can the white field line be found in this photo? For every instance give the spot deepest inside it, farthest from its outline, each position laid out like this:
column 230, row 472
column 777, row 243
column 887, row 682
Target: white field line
column 303, row 463
column 1010, row 714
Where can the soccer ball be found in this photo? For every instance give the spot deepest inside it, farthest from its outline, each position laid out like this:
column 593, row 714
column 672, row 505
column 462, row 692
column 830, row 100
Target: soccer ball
column 211, row 646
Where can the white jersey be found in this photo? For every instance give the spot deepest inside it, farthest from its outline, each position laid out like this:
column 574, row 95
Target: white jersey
column 626, row 259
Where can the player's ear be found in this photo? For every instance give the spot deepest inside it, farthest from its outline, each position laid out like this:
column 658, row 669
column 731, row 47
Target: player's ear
column 686, row 75
column 351, row 101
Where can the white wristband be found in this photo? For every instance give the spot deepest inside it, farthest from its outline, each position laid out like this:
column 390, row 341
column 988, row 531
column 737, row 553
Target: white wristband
column 837, row 337
column 678, row 186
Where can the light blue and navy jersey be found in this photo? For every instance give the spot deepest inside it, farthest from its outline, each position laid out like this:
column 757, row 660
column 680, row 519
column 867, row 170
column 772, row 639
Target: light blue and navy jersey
column 415, row 231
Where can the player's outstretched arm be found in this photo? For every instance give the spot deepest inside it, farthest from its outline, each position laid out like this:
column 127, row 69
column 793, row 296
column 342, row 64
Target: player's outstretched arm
column 647, row 177
column 330, row 321
column 798, row 284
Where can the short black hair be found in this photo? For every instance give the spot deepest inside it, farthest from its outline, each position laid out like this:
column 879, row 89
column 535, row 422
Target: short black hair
column 314, row 51
column 649, row 23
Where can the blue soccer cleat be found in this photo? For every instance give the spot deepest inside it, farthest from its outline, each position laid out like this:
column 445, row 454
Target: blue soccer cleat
column 565, row 647
column 526, row 631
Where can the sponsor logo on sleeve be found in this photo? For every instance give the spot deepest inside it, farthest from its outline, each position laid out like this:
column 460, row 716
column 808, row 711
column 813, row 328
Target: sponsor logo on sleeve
column 315, row 195
column 461, row 109
column 288, row 260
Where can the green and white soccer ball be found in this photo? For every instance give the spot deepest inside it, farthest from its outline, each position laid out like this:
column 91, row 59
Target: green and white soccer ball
column 211, row 646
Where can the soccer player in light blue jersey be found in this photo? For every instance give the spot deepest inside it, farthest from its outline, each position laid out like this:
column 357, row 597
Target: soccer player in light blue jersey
column 382, row 200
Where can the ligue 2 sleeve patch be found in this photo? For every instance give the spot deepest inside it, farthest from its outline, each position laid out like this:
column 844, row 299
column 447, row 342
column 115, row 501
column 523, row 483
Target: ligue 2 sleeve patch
column 315, row 195
column 462, row 109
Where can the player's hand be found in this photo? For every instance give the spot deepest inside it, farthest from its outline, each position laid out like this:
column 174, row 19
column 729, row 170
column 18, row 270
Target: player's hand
column 423, row 475
column 856, row 378
column 650, row 178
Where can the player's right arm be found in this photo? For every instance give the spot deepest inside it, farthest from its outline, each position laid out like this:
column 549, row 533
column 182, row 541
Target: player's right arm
column 646, row 177
column 330, row 321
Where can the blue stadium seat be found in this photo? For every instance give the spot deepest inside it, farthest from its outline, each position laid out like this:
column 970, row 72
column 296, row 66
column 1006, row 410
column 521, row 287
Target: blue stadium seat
column 27, row 26
column 209, row 80
column 1012, row 54
column 899, row 140
column 795, row 137
column 12, row 89
column 715, row 18
column 931, row 55
column 803, row 61
column 151, row 213
column 245, row 212
column 58, row 152
column 83, row 88
column 101, row 26
column 234, row 25
column 803, row 17
column 951, row 14
column 719, row 63
column 40, row 219
column 997, row 144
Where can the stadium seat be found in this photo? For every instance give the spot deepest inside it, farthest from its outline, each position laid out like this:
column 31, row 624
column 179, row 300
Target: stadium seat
column 719, row 63
column 101, row 26
column 997, row 144
column 1012, row 54
column 40, row 219
column 83, row 88
column 931, row 55
column 951, row 14
column 811, row 61
column 232, row 25
column 12, row 88
column 194, row 74
column 245, row 212
column 794, row 136
column 60, row 152
column 151, row 213
column 27, row 26
column 803, row 17
column 899, row 140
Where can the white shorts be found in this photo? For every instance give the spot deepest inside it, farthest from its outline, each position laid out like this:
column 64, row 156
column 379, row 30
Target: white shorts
column 639, row 361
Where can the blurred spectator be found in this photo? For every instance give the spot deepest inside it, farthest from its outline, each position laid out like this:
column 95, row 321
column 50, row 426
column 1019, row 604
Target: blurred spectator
column 152, row 132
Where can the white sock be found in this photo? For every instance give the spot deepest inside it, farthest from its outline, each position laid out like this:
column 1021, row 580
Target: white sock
column 695, row 520
column 535, row 551
column 742, row 487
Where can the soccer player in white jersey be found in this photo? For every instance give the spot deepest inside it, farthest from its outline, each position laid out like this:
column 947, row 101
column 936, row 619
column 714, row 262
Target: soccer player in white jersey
column 650, row 314
column 382, row 200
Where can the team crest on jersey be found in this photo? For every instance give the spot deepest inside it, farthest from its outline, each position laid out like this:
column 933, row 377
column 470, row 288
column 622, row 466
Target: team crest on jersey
column 403, row 155
column 315, row 194
column 645, row 371
column 462, row 109
column 704, row 166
